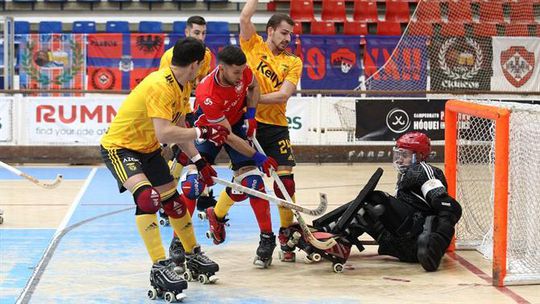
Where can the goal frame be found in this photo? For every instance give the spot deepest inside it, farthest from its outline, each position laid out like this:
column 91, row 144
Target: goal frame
column 501, row 118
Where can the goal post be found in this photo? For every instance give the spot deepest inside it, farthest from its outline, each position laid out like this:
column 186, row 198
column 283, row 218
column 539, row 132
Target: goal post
column 491, row 163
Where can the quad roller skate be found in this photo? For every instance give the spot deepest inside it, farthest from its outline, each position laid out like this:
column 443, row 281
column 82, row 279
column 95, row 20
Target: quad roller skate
column 200, row 267
column 205, row 201
column 177, row 255
column 287, row 246
column 265, row 250
column 217, row 227
column 165, row 283
column 164, row 218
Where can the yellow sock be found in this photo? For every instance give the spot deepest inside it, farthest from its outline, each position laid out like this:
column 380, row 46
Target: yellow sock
column 223, row 204
column 149, row 231
column 286, row 215
column 184, row 230
column 176, row 171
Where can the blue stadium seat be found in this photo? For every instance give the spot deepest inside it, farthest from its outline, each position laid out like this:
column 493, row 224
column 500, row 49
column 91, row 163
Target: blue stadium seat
column 46, row 27
column 84, row 27
column 22, row 27
column 217, row 27
column 117, row 27
column 150, row 27
column 179, row 27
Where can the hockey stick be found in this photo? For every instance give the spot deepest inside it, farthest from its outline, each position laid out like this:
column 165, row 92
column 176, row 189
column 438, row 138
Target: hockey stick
column 34, row 180
column 281, row 202
column 322, row 245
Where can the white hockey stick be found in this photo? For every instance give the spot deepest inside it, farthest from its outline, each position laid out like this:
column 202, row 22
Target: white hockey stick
column 323, row 245
column 34, row 180
column 318, row 211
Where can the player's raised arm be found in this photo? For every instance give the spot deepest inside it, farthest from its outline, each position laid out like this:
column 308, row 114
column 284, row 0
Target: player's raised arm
column 247, row 28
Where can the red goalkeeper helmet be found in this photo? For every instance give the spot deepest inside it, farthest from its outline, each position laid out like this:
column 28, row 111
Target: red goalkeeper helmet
column 416, row 142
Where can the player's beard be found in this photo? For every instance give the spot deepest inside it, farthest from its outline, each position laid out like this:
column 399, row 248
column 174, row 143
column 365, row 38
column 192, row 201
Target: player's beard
column 282, row 45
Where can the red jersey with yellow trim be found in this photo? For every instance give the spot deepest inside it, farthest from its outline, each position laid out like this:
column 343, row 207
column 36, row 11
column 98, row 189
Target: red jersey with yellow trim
column 271, row 71
column 218, row 101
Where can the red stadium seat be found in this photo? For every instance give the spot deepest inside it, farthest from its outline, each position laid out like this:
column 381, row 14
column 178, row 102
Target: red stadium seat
column 452, row 29
column 459, row 11
column 355, row 28
column 517, row 30
column 428, row 11
column 491, row 11
column 485, row 29
column 323, row 28
column 397, row 11
column 420, row 29
column 333, row 10
column 365, row 11
column 302, row 10
column 522, row 11
column 388, row 28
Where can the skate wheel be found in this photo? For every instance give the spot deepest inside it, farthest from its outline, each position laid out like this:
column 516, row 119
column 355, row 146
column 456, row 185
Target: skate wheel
column 163, row 222
column 269, row 262
column 202, row 216
column 338, row 268
column 307, row 260
column 213, row 279
column 203, row 279
column 209, row 235
column 188, row 276
column 180, row 297
column 1, row 220
column 152, row 293
column 296, row 235
column 169, row 297
column 315, row 257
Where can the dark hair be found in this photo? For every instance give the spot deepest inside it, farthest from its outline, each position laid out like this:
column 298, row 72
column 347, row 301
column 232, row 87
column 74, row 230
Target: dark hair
column 232, row 54
column 276, row 20
column 195, row 20
column 188, row 50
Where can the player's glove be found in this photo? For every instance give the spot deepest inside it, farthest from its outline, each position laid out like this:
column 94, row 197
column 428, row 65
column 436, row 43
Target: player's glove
column 180, row 156
column 250, row 124
column 215, row 133
column 265, row 163
column 206, row 171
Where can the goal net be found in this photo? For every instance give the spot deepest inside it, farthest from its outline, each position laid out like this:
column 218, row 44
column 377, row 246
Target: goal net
column 493, row 168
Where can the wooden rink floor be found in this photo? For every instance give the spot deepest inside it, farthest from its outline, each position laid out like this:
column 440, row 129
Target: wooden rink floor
column 99, row 257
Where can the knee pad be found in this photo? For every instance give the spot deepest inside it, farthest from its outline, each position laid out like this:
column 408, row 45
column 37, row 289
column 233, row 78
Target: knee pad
column 147, row 199
column 288, row 182
column 174, row 207
column 251, row 179
column 235, row 195
column 192, row 185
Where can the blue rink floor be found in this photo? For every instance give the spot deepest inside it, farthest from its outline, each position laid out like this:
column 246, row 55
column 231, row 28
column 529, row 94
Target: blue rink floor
column 101, row 242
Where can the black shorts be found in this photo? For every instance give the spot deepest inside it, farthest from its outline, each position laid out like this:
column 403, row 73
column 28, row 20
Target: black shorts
column 124, row 163
column 276, row 143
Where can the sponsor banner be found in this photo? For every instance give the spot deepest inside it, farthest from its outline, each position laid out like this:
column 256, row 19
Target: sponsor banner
column 330, row 62
column 298, row 117
column 516, row 64
column 404, row 68
column 461, row 63
column 52, row 61
column 120, row 61
column 386, row 120
column 6, row 119
column 75, row 121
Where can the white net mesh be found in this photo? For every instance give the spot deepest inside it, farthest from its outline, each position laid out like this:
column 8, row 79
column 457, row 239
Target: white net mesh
column 475, row 188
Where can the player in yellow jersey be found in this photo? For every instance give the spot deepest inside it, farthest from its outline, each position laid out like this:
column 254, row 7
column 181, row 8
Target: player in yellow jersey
column 153, row 113
column 196, row 28
column 277, row 71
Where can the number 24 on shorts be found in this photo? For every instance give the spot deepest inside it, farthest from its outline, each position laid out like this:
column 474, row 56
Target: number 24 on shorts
column 284, row 146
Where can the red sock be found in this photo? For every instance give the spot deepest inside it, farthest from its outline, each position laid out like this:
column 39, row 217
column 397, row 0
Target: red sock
column 261, row 208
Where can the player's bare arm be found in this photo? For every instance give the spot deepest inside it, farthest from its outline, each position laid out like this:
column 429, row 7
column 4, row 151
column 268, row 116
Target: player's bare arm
column 187, row 147
column 281, row 96
column 247, row 28
column 236, row 142
column 253, row 94
column 167, row 133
